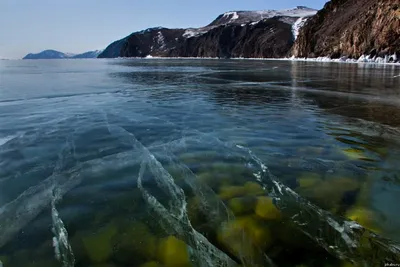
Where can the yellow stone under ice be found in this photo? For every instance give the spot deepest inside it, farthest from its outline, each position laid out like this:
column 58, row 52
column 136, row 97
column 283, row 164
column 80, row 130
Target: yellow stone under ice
column 248, row 189
column 245, row 236
column 309, row 179
column 266, row 209
column 353, row 153
column 151, row 264
column 363, row 216
column 173, row 252
column 242, row 205
column 98, row 246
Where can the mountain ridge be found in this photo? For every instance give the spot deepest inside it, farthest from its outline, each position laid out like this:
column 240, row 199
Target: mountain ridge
column 212, row 40
column 54, row 54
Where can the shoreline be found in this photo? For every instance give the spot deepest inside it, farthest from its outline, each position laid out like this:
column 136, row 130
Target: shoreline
column 361, row 60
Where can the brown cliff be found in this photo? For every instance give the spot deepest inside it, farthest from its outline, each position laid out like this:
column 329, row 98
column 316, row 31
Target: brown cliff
column 351, row 28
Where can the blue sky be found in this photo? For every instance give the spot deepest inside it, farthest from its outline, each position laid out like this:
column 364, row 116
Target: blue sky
column 81, row 25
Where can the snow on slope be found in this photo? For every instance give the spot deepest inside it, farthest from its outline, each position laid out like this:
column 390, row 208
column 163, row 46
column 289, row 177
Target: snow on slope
column 195, row 32
column 297, row 26
column 160, row 40
column 233, row 15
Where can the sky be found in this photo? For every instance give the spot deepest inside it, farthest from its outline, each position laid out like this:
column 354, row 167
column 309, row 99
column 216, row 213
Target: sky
column 76, row 26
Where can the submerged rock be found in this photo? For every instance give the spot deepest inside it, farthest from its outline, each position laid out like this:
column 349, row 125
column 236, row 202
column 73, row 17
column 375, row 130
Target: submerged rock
column 242, row 205
column 329, row 193
column 308, row 180
column 151, row 264
column 173, row 252
column 366, row 217
column 246, row 238
column 249, row 189
column 354, row 153
column 266, row 209
column 103, row 265
column 99, row 246
column 136, row 241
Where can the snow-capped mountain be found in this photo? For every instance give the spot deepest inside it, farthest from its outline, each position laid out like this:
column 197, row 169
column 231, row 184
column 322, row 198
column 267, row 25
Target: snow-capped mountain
column 53, row 54
column 265, row 33
column 290, row 16
column 243, row 17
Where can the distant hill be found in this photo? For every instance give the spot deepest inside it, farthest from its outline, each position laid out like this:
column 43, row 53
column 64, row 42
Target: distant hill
column 53, row 54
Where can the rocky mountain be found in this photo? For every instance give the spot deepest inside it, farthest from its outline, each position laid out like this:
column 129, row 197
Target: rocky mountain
column 90, row 54
column 268, row 33
column 352, row 28
column 53, row 54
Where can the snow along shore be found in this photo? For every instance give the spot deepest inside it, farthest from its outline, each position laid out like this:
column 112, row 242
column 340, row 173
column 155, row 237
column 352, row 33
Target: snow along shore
column 363, row 59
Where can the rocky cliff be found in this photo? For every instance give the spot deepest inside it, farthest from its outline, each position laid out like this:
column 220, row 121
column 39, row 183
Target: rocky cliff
column 352, row 28
column 268, row 33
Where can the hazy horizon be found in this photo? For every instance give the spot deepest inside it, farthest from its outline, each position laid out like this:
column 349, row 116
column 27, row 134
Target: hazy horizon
column 80, row 26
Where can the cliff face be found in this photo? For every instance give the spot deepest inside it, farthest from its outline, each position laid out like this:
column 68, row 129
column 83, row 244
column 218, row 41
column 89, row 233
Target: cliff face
column 267, row 38
column 351, row 28
column 268, row 33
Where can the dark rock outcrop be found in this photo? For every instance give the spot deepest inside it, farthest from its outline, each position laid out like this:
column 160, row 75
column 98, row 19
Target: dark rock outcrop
column 351, row 28
column 268, row 33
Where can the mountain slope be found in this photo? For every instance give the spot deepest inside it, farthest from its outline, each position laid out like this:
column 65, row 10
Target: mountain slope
column 89, row 54
column 351, row 28
column 268, row 33
column 53, row 54
column 46, row 54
